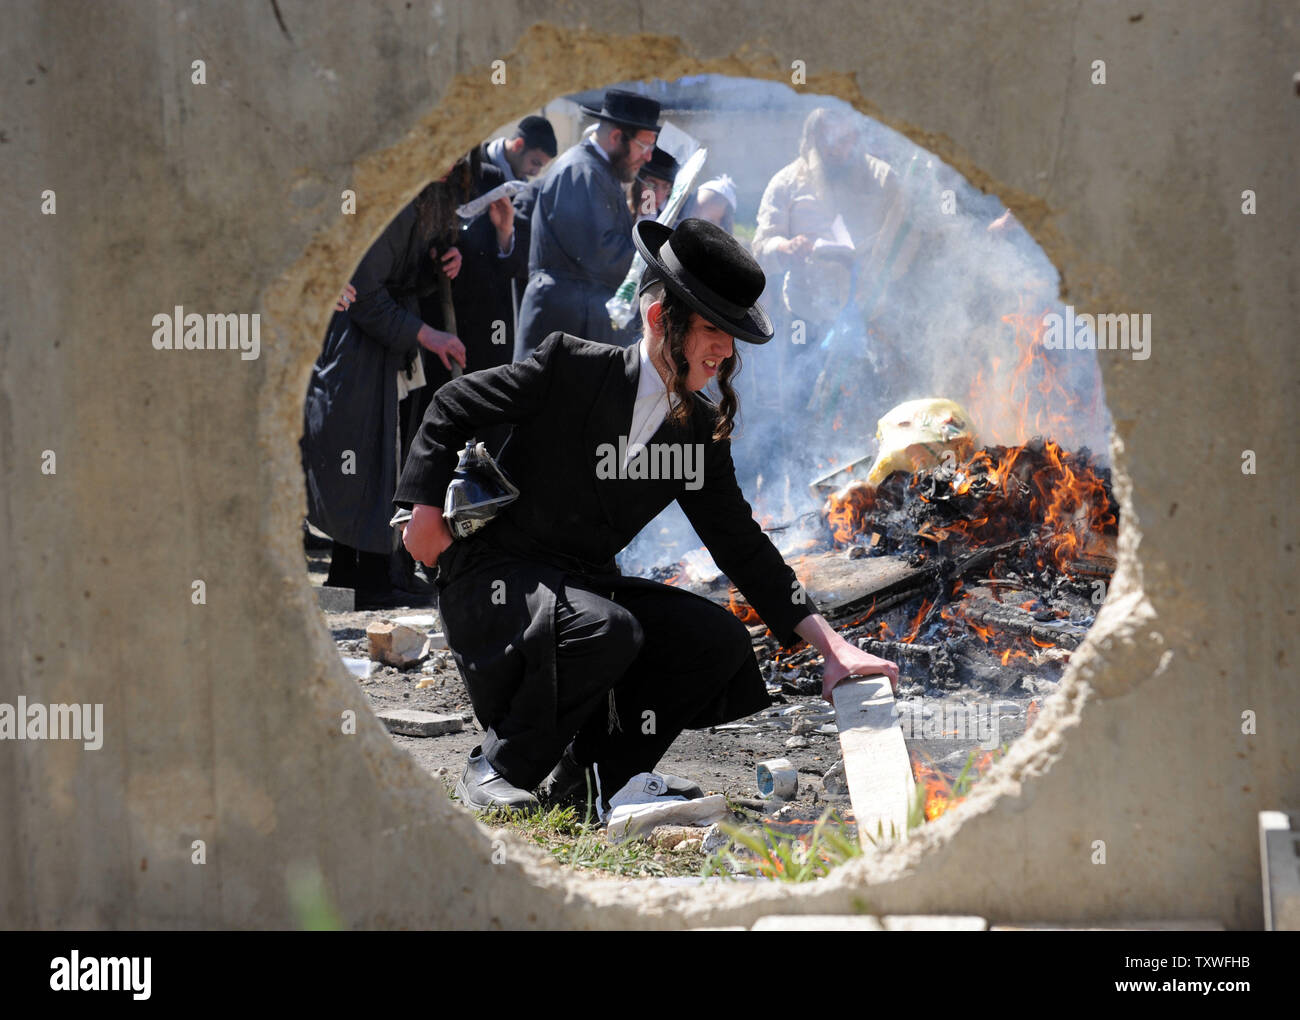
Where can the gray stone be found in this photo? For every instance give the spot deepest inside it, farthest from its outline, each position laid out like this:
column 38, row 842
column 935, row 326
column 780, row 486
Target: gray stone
column 360, row 668
column 418, row 621
column 715, row 839
column 834, row 782
column 335, row 600
column 413, row 723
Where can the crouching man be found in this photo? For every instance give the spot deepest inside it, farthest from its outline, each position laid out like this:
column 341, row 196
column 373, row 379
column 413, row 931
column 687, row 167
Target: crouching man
column 580, row 674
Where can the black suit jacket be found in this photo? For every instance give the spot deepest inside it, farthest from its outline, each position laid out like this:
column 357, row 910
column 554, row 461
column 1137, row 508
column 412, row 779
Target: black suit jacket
column 566, row 402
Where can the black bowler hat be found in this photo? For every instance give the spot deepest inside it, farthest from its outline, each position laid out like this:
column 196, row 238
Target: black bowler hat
column 706, row 267
column 661, row 166
column 627, row 109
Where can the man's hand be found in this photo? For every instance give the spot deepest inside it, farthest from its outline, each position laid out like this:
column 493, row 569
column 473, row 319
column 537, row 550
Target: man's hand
column 853, row 661
column 801, row 244
column 427, row 535
column 450, row 261
column 446, row 345
column 841, row 658
column 502, row 214
column 346, row 298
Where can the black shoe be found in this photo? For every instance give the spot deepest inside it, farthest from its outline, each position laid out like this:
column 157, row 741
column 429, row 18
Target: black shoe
column 569, row 784
column 482, row 787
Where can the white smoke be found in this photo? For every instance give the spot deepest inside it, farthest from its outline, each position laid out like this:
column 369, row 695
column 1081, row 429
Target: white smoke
column 939, row 330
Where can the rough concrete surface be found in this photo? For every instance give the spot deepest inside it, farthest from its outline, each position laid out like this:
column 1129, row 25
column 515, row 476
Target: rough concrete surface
column 225, row 721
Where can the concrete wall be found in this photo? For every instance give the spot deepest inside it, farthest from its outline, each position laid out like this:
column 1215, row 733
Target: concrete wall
column 222, row 721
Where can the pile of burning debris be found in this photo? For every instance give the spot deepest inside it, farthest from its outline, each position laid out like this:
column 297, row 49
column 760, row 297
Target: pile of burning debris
column 992, row 560
column 978, row 568
column 1017, row 544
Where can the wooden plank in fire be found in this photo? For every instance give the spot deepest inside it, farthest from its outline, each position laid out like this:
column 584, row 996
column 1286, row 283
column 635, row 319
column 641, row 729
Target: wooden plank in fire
column 876, row 765
column 981, row 608
column 888, row 581
column 882, row 581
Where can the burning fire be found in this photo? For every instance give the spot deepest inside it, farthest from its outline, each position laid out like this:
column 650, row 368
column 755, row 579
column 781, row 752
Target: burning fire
column 997, row 490
column 919, row 619
column 937, row 788
column 742, row 610
column 847, row 512
column 940, row 794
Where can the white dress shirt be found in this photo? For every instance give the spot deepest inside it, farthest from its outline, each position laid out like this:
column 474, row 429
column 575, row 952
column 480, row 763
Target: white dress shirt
column 651, row 406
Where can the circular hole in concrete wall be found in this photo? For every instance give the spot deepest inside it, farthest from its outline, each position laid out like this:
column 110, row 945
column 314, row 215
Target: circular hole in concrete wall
column 923, row 441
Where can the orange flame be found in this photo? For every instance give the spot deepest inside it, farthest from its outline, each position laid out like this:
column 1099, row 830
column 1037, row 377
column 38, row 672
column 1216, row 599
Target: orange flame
column 742, row 610
column 916, row 622
column 939, row 796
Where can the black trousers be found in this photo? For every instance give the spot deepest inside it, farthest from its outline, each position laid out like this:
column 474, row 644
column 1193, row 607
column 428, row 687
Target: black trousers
column 634, row 667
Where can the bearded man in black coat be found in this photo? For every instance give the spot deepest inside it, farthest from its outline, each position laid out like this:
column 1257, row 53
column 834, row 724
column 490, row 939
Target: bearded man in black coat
column 578, row 673
column 581, row 227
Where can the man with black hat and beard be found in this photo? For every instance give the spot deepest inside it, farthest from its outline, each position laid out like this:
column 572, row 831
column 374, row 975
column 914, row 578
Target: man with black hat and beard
column 579, row 674
column 581, row 246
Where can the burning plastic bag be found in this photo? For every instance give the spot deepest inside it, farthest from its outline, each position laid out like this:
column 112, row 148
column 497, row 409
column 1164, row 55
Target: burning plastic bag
column 916, row 435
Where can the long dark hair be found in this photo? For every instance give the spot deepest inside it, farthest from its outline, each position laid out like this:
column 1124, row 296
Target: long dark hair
column 435, row 206
column 677, row 323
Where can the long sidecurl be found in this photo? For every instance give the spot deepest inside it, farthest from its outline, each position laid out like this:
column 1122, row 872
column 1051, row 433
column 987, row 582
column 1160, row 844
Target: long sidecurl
column 677, row 319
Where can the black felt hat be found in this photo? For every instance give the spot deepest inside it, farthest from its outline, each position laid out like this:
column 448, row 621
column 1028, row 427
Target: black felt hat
column 707, row 267
column 627, row 109
column 660, row 165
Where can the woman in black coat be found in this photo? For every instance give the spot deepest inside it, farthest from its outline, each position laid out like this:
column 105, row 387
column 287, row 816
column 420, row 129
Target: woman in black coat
column 350, row 438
